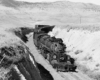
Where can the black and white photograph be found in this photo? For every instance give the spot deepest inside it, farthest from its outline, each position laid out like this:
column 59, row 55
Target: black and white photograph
column 49, row 40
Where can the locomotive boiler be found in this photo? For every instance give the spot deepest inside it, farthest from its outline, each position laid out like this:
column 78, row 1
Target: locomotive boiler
column 42, row 39
column 50, row 44
column 53, row 49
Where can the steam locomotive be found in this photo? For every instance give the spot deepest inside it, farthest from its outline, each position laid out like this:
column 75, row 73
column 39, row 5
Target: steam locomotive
column 53, row 49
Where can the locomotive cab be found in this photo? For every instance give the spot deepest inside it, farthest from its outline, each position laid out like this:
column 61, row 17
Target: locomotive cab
column 44, row 28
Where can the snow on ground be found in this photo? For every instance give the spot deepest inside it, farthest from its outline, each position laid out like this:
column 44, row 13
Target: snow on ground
column 83, row 45
column 56, row 75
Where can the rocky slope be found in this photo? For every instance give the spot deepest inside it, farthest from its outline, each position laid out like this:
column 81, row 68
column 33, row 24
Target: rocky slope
column 14, row 55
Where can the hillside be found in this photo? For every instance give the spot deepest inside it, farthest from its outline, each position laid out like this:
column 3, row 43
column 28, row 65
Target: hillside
column 61, row 12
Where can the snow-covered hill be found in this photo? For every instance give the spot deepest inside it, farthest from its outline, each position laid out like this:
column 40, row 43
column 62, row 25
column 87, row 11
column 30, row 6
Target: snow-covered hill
column 83, row 45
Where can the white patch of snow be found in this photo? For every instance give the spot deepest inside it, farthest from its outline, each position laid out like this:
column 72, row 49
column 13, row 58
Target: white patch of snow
column 87, row 42
column 22, row 76
column 32, row 60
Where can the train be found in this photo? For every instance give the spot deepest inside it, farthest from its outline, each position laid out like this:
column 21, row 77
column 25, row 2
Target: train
column 53, row 49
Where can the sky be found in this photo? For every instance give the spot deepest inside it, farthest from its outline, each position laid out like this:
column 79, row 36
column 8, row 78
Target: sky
column 85, row 1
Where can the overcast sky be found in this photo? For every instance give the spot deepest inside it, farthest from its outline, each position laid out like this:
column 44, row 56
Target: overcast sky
column 85, row 1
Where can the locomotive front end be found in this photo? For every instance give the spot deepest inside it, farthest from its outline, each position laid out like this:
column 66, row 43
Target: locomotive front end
column 58, row 48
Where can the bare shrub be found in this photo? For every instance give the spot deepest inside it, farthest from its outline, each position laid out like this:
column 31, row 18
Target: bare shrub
column 78, row 51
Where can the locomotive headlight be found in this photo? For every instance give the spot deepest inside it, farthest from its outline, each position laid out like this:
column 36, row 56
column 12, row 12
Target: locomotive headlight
column 55, row 47
column 54, row 57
